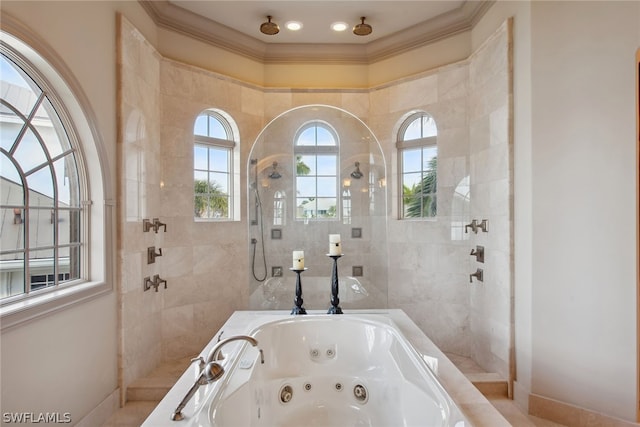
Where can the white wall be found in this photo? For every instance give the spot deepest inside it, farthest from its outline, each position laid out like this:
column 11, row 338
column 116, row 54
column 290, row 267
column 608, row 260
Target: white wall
column 61, row 363
column 584, row 221
column 67, row 361
column 575, row 220
column 522, row 180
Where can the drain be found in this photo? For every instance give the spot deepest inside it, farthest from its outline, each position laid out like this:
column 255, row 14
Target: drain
column 360, row 393
column 286, row 393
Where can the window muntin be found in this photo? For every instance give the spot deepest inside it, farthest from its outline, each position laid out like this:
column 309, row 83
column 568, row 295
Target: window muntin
column 418, row 164
column 316, row 166
column 41, row 230
column 279, row 207
column 213, row 167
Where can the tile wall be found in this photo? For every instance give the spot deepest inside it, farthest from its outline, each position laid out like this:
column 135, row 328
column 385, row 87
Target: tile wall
column 207, row 265
column 139, row 175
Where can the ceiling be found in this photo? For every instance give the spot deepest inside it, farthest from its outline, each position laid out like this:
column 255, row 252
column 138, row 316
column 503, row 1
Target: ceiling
column 397, row 25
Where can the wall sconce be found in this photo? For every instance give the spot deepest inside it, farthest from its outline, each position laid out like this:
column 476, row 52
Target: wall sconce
column 346, row 183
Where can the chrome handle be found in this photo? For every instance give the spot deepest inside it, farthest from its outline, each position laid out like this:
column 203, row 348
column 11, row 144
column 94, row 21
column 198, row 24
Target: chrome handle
column 479, row 275
column 158, row 281
column 478, row 252
column 157, row 224
column 200, row 361
column 148, row 225
column 473, row 225
column 152, row 254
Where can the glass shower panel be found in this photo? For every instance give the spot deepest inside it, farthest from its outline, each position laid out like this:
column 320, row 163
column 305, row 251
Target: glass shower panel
column 326, row 199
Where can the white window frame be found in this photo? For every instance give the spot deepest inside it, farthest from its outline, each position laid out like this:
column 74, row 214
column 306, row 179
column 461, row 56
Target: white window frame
column 42, row 64
column 403, row 145
column 317, row 150
column 230, row 145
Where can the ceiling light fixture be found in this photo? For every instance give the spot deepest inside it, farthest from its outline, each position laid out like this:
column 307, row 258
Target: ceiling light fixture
column 339, row 26
column 362, row 29
column 269, row 28
column 293, row 25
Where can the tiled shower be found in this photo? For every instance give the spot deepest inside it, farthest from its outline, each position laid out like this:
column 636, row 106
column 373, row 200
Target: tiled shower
column 422, row 267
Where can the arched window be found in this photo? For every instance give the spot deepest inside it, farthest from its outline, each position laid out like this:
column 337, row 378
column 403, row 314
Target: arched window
column 45, row 205
column 316, row 166
column 418, row 164
column 346, row 206
column 214, row 167
column 279, row 206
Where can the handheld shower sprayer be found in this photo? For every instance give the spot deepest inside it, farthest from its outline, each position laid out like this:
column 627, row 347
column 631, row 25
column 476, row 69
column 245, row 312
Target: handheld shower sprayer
column 257, row 220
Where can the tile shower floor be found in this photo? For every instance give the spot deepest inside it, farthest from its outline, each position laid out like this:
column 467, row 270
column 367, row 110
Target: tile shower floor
column 143, row 395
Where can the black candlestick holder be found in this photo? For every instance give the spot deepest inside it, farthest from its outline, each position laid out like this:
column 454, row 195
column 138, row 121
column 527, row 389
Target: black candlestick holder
column 298, row 308
column 335, row 301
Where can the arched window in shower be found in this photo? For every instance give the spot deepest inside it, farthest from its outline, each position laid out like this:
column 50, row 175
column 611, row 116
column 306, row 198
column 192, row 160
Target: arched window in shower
column 346, row 206
column 418, row 164
column 279, row 206
column 316, row 152
column 215, row 166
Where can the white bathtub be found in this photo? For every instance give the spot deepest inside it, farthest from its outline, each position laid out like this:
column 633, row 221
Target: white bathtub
column 322, row 370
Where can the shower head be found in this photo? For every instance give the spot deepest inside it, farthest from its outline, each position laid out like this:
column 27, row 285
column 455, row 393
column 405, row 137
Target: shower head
column 274, row 173
column 269, row 28
column 356, row 173
column 362, row 29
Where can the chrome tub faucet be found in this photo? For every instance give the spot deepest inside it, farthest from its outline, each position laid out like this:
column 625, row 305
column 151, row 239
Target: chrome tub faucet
column 210, row 370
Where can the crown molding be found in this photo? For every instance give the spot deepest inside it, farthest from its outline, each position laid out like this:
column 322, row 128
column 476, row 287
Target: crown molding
column 167, row 15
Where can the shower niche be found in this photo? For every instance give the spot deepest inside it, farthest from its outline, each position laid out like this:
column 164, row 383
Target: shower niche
column 313, row 171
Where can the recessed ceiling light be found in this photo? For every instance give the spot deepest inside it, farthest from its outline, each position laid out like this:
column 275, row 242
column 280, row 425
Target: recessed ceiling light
column 293, row 25
column 339, row 26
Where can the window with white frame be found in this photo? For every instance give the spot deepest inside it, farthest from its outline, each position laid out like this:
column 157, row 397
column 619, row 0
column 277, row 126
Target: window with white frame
column 279, row 206
column 316, row 166
column 213, row 166
column 418, row 165
column 42, row 212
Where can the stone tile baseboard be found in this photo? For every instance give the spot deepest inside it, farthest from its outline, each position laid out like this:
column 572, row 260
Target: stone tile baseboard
column 572, row 416
column 101, row 413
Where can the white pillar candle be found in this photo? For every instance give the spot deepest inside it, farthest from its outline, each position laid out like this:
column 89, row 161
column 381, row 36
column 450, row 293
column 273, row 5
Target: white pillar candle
column 335, row 247
column 298, row 260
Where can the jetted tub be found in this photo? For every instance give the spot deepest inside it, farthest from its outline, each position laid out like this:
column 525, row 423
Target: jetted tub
column 322, row 370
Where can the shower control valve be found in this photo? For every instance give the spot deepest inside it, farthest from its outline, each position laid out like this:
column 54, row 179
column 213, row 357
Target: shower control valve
column 157, row 224
column 147, row 225
column 152, row 254
column 473, row 226
column 479, row 275
column 158, row 281
column 478, row 252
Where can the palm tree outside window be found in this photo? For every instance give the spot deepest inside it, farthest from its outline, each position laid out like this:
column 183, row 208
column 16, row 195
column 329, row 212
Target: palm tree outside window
column 316, row 157
column 418, row 166
column 213, row 172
